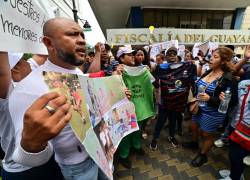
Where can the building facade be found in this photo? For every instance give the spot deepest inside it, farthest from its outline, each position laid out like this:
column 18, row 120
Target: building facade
column 238, row 18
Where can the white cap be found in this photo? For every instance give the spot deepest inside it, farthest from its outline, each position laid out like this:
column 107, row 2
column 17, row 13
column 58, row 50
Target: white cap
column 123, row 50
column 14, row 58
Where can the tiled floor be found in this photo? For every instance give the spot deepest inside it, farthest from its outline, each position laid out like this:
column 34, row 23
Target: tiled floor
column 168, row 163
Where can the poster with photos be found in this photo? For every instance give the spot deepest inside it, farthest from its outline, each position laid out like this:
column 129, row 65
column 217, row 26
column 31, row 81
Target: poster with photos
column 101, row 113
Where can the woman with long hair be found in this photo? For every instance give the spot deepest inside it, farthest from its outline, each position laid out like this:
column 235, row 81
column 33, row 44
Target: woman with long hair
column 218, row 79
column 142, row 58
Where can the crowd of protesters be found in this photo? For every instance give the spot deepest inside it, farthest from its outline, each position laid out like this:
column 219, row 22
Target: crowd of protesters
column 38, row 144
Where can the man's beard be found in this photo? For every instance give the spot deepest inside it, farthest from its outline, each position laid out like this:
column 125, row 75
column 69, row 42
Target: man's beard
column 69, row 58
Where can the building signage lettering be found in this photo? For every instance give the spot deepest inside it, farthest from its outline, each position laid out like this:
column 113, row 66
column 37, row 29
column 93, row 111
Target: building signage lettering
column 184, row 36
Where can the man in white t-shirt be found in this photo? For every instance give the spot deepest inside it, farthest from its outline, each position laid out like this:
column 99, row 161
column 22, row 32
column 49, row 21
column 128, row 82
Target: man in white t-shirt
column 11, row 73
column 66, row 46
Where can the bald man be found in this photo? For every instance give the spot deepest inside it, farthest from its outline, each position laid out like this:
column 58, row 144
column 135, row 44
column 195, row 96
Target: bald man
column 66, row 46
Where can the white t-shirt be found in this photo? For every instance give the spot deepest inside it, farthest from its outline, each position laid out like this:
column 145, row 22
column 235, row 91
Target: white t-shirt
column 7, row 134
column 68, row 149
column 33, row 64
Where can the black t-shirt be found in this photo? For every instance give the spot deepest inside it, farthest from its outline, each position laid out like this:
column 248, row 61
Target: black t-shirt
column 175, row 84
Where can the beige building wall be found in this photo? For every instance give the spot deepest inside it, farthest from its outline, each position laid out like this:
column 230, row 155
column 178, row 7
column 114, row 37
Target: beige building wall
column 246, row 19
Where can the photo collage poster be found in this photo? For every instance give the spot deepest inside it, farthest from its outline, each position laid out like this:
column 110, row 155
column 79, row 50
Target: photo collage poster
column 101, row 113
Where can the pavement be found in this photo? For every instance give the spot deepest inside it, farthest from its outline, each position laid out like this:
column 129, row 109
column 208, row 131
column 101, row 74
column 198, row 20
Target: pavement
column 169, row 163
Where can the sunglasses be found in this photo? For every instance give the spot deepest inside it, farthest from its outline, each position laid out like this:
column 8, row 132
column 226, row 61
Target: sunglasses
column 171, row 53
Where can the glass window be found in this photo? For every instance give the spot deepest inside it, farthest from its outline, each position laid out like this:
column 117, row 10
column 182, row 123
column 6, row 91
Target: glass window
column 227, row 21
column 196, row 19
column 158, row 22
column 185, row 18
column 204, row 20
column 149, row 18
column 173, row 18
column 218, row 20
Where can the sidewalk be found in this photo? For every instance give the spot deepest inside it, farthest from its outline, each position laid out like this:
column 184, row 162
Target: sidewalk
column 168, row 163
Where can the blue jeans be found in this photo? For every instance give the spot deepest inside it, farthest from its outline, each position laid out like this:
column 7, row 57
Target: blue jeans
column 101, row 175
column 84, row 170
column 172, row 116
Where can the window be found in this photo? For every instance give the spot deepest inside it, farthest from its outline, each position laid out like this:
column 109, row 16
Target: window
column 196, row 19
column 149, row 18
column 185, row 18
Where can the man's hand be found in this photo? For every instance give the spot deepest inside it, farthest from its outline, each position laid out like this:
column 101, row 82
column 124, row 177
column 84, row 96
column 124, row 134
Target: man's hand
column 40, row 125
column 119, row 70
column 98, row 47
column 128, row 93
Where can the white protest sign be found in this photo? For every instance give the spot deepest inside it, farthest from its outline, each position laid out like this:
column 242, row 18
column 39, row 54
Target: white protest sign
column 181, row 51
column 21, row 25
column 204, row 47
column 157, row 48
column 195, row 49
column 213, row 46
column 168, row 44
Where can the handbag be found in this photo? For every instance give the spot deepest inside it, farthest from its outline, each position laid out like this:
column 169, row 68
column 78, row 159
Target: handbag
column 193, row 105
column 241, row 134
column 192, row 102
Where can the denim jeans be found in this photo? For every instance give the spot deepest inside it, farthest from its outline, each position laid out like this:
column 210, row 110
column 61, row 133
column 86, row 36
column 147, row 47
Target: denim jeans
column 162, row 118
column 101, row 175
column 84, row 170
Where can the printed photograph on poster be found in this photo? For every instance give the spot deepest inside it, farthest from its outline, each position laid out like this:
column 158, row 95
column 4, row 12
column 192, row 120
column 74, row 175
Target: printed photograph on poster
column 95, row 150
column 101, row 113
column 121, row 120
column 69, row 85
column 102, row 132
column 102, row 94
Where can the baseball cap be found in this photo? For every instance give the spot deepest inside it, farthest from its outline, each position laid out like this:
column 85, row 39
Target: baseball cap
column 123, row 50
column 14, row 58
